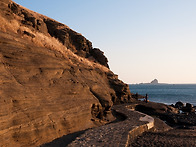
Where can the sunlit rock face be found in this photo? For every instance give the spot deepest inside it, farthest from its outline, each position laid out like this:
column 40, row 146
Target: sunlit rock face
column 52, row 81
column 6, row 1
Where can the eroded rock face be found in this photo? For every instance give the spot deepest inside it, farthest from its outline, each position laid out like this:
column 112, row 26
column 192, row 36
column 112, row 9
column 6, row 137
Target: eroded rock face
column 71, row 39
column 99, row 56
column 50, row 88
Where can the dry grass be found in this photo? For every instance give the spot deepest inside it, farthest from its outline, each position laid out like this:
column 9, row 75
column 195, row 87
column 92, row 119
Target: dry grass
column 45, row 40
column 11, row 25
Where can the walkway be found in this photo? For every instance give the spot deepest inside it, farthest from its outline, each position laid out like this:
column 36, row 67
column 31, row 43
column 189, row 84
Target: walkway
column 116, row 134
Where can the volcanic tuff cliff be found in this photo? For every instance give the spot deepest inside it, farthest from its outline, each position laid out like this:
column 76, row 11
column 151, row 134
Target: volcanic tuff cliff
column 52, row 81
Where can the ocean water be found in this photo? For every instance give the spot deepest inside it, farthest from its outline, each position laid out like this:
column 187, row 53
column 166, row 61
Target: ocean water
column 167, row 93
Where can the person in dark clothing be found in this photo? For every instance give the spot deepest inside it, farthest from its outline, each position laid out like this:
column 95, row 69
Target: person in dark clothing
column 146, row 98
column 136, row 95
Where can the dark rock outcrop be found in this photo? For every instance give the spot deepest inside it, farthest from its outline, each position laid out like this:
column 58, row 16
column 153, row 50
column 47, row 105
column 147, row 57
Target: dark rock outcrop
column 52, row 80
column 152, row 108
column 180, row 119
column 169, row 114
column 137, row 96
column 122, row 92
column 188, row 108
column 179, row 105
column 71, row 39
column 99, row 56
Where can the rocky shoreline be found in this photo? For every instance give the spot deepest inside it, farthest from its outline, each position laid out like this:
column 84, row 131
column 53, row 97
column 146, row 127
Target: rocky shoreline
column 179, row 128
column 174, row 115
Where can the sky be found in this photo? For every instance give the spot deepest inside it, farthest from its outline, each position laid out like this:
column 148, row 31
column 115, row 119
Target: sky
column 142, row 39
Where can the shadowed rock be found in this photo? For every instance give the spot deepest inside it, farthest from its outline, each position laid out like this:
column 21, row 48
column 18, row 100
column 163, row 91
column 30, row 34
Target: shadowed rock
column 188, row 108
column 168, row 113
column 179, row 105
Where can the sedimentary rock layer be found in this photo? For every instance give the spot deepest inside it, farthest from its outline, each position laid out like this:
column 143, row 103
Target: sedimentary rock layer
column 52, row 81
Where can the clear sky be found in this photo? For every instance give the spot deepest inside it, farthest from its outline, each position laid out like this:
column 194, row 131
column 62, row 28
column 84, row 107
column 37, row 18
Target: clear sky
column 142, row 39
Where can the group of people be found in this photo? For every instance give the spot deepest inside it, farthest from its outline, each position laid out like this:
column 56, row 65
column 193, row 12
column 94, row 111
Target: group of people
column 145, row 99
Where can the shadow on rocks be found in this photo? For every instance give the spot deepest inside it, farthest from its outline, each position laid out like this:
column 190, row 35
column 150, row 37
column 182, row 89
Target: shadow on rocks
column 63, row 141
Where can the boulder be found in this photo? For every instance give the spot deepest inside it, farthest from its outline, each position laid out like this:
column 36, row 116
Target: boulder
column 188, row 105
column 179, row 105
column 152, row 108
column 188, row 108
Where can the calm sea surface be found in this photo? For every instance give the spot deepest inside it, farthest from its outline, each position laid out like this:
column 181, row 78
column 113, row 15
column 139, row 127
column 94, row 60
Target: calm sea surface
column 168, row 93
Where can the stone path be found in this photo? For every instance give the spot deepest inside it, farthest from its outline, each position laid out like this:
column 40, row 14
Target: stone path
column 116, row 134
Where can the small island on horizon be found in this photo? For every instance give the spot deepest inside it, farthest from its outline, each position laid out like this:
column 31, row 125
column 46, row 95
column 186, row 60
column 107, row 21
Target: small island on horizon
column 154, row 82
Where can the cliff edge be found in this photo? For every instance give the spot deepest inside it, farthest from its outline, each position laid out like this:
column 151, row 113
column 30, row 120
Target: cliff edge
column 52, row 81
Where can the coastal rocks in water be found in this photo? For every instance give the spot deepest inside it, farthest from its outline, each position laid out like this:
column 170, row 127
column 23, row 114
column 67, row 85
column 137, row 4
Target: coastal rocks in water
column 188, row 108
column 152, row 108
column 168, row 113
column 137, row 96
column 179, row 105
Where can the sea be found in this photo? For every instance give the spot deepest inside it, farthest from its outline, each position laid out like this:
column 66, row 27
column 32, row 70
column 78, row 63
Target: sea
column 167, row 93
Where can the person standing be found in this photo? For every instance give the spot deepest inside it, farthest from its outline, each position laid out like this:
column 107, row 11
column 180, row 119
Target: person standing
column 146, row 98
column 136, row 95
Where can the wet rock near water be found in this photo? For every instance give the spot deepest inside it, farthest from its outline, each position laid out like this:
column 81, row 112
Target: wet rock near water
column 170, row 114
column 188, row 108
column 179, row 105
column 137, row 96
column 152, row 108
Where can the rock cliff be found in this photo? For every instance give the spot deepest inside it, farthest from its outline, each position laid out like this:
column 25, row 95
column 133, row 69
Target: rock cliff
column 52, row 81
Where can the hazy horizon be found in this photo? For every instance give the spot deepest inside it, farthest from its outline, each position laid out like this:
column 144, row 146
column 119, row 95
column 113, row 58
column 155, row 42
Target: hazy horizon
column 142, row 40
column 165, row 83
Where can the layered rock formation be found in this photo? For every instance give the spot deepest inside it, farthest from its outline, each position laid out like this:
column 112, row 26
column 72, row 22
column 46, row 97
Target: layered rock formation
column 52, row 81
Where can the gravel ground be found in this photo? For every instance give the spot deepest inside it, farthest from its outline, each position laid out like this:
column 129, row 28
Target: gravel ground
column 171, row 138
